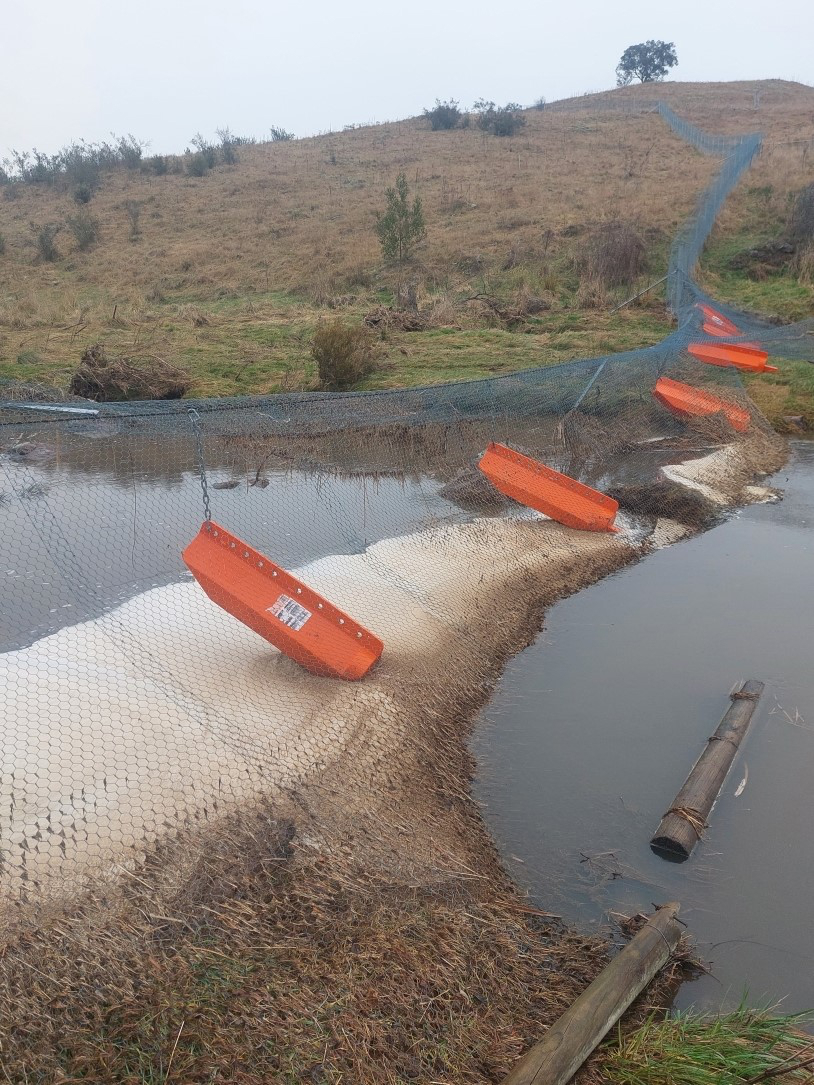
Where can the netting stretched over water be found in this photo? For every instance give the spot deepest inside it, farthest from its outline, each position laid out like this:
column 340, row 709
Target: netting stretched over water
column 135, row 708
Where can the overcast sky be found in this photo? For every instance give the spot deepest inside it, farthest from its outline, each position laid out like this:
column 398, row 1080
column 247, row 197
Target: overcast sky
column 165, row 69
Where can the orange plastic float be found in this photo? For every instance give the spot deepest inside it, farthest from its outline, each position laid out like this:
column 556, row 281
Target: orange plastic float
column 539, row 487
column 742, row 355
column 716, row 323
column 684, row 400
column 282, row 609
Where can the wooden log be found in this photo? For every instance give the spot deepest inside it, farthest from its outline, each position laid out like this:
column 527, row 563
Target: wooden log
column 683, row 825
column 571, row 1039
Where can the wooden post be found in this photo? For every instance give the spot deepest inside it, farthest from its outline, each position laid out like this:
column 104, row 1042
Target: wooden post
column 569, row 1041
column 683, row 825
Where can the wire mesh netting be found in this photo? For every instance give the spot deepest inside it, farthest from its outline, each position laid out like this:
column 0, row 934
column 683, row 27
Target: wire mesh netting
column 164, row 767
column 134, row 707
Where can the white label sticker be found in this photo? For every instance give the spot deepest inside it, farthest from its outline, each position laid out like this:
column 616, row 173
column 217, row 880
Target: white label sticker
column 290, row 612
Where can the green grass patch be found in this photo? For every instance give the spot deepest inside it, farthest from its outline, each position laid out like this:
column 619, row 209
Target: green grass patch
column 450, row 354
column 789, row 392
column 735, row 1048
column 778, row 292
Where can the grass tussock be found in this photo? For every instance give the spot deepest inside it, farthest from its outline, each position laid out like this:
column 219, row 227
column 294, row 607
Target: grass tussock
column 740, row 1048
column 344, row 354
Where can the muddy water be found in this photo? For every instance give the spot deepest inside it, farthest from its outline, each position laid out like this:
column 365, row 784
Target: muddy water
column 594, row 727
column 90, row 518
column 88, row 529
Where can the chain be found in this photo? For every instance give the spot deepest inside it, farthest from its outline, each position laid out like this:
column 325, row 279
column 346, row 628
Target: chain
column 195, row 418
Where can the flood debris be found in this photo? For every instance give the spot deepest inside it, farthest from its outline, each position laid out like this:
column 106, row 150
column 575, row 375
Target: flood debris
column 105, row 379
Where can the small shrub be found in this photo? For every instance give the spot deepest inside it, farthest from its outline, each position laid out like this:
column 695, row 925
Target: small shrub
column 279, row 135
column 197, row 166
column 129, row 151
column 401, row 226
column 159, row 164
column 444, row 115
column 801, row 221
column 2, row 244
column 83, row 193
column 85, row 229
column 615, row 255
column 540, row 104
column 45, row 241
column 228, row 147
column 343, row 353
column 133, row 209
column 499, row 120
column 207, row 150
column 507, row 122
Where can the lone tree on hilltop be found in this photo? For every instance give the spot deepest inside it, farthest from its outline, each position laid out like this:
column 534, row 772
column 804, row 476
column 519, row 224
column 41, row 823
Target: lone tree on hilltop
column 649, row 62
column 401, row 226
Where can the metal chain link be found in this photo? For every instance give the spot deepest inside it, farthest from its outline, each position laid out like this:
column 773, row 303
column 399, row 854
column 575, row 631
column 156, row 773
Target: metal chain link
column 195, row 418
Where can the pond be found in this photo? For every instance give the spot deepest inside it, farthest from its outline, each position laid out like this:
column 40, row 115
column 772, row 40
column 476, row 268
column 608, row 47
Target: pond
column 594, row 727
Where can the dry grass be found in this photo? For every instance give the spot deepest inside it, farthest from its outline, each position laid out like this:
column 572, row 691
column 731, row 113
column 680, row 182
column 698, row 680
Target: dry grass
column 231, row 271
column 759, row 209
column 260, row 246
column 247, row 956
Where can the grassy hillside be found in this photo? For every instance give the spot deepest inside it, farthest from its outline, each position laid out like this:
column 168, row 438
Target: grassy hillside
column 228, row 274
column 742, row 263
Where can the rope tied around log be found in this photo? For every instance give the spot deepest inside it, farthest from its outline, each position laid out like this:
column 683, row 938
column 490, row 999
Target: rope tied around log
column 696, row 823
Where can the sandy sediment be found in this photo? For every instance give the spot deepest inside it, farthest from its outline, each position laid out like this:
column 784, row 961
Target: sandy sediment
column 167, row 710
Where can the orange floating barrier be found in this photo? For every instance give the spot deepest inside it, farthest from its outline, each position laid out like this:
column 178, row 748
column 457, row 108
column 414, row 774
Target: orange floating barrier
column 716, row 323
column 282, row 609
column 550, row 492
column 716, row 330
column 684, row 400
column 745, row 356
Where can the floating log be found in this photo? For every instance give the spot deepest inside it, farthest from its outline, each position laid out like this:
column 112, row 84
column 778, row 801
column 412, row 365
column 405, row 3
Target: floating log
column 569, row 1041
column 683, row 825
